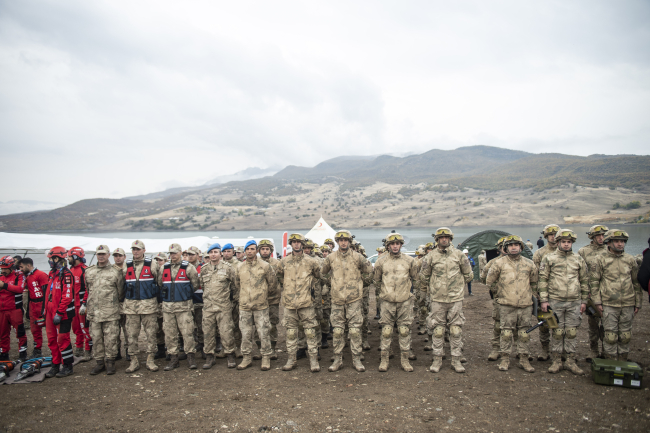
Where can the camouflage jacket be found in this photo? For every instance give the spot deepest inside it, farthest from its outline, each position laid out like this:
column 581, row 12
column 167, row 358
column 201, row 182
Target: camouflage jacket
column 540, row 253
column 218, row 282
column 482, row 261
column 122, row 269
column 275, row 292
column 613, row 280
column 589, row 252
column 143, row 306
column 326, row 293
column 180, row 307
column 105, row 285
column 297, row 273
column 444, row 274
column 395, row 275
column 563, row 276
column 253, row 278
column 317, row 285
column 347, row 275
column 516, row 280
column 484, row 273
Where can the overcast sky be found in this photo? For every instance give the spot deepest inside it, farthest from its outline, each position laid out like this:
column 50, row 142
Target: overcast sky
column 117, row 98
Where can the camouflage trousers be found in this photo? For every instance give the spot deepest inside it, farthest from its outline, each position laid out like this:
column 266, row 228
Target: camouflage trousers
column 292, row 320
column 496, row 332
column 617, row 322
column 235, row 321
column 134, row 322
column 105, row 336
column 172, row 324
column 198, row 324
column 123, row 332
column 445, row 314
column 596, row 334
column 274, row 318
column 515, row 320
column 249, row 321
column 218, row 323
column 400, row 314
column 325, row 321
column 351, row 315
column 423, row 309
column 569, row 318
column 302, row 338
column 160, row 335
column 378, row 300
column 366, row 310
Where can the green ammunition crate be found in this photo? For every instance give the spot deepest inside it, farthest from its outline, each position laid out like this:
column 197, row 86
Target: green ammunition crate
column 617, row 373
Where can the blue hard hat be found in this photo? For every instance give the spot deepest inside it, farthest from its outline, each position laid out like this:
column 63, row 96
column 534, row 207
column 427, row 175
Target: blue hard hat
column 249, row 243
column 227, row 247
column 216, row 246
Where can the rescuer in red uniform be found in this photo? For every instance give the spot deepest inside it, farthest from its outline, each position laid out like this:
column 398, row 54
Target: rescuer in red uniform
column 12, row 285
column 36, row 285
column 83, row 342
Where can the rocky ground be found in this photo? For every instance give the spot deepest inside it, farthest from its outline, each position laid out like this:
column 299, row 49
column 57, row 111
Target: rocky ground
column 221, row 400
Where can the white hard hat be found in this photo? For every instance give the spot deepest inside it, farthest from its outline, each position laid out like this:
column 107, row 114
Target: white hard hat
column 465, row 251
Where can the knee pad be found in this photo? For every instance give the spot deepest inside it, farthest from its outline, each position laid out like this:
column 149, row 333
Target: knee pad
column 571, row 333
column 558, row 333
column 455, row 331
column 404, row 331
column 310, row 332
column 292, row 334
column 386, row 331
column 438, row 331
column 354, row 332
column 611, row 337
column 497, row 326
column 523, row 336
column 625, row 337
column 338, row 333
column 506, row 333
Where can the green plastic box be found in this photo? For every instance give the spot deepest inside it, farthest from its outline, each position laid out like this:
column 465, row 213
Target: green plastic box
column 616, row 373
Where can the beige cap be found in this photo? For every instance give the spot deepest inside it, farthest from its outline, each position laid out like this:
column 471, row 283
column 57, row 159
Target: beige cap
column 137, row 244
column 194, row 250
column 161, row 256
column 119, row 251
column 175, row 248
column 239, row 249
column 102, row 249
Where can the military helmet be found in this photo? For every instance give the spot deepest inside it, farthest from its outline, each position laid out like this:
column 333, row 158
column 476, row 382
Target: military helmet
column 296, row 237
column 429, row 245
column 614, row 234
column 328, row 241
column 499, row 243
column 265, row 243
column 394, row 237
column 482, row 251
column 550, row 229
column 565, row 234
column 381, row 250
column 512, row 239
column 309, row 243
column 325, row 248
column 419, row 251
column 343, row 234
column 597, row 230
column 443, row 231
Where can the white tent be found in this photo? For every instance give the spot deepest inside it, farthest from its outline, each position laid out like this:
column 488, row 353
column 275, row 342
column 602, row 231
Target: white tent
column 320, row 232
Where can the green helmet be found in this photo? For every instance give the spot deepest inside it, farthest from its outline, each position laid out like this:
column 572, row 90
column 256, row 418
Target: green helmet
column 443, row 231
column 597, row 230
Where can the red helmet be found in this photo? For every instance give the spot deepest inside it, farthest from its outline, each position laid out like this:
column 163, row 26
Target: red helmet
column 57, row 252
column 6, row 262
column 76, row 251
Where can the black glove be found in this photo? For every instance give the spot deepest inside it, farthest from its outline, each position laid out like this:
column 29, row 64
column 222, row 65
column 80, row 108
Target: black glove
column 57, row 319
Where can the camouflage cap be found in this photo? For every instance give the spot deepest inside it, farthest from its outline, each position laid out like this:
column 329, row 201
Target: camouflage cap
column 137, row 244
column 102, row 249
column 194, row 250
column 175, row 248
column 119, row 251
column 161, row 256
column 239, row 249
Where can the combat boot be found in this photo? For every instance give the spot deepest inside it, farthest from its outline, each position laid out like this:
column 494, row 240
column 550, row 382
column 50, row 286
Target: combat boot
column 238, row 353
column 55, row 370
column 302, row 353
column 365, row 345
column 119, row 349
column 78, row 352
column 593, row 351
column 182, row 356
column 87, row 356
column 456, row 364
column 173, row 363
column 313, row 363
column 98, row 368
column 383, row 365
column 191, row 361
column 337, row 364
column 221, row 354
column 160, row 353
column 232, row 363
column 274, row 354
column 494, row 354
column 199, row 350
column 436, row 364
column 266, row 363
column 428, row 347
column 544, row 356
column 524, row 363
column 422, row 330
column 406, row 365
column 572, row 366
column 361, row 357
column 209, row 361
column 504, row 364
column 412, row 356
column 291, row 362
column 36, row 353
column 65, row 371
column 245, row 363
column 324, row 344
column 110, row 366
column 356, row 362
column 134, row 366
column 556, row 366
column 151, row 364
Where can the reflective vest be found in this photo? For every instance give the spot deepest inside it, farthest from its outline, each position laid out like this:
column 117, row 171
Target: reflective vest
column 180, row 288
column 197, row 297
column 141, row 288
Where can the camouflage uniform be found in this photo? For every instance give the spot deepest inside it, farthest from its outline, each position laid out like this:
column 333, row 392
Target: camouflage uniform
column 588, row 253
column 421, row 295
column 218, row 283
column 197, row 306
column 123, row 333
column 613, row 284
column 367, row 286
column 496, row 316
column 544, row 331
column 482, row 262
column 235, row 306
column 105, row 285
column 274, row 296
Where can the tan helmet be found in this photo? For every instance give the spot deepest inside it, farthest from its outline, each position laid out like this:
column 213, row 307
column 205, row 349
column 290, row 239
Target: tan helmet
column 265, row 243
column 343, row 234
column 394, row 237
column 328, row 241
column 614, row 234
column 550, row 229
column 309, row 243
column 419, row 251
column 443, row 231
column 429, row 246
column 296, row 237
column 598, row 229
column 325, row 248
column 499, row 243
column 565, row 234
column 381, row 250
column 512, row 239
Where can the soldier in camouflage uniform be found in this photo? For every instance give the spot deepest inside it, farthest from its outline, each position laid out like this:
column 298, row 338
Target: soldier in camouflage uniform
column 347, row 269
column 228, row 253
column 588, row 253
column 367, row 286
column 105, row 286
column 239, row 254
column 119, row 257
column 421, row 295
column 161, row 259
column 443, row 275
column 141, row 304
column 326, row 300
column 564, row 286
column 396, row 274
column 218, row 283
column 380, row 251
column 544, row 332
column 297, row 273
column 482, row 261
column 274, row 296
column 178, row 281
column 616, row 292
column 317, row 291
column 253, row 279
column 194, row 257
column 516, row 281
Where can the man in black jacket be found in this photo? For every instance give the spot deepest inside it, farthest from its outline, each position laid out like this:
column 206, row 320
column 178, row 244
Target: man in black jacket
column 540, row 242
column 644, row 270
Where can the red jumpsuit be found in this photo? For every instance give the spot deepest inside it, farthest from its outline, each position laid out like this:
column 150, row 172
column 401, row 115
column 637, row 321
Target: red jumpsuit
column 59, row 299
column 36, row 284
column 11, row 311
column 79, row 323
